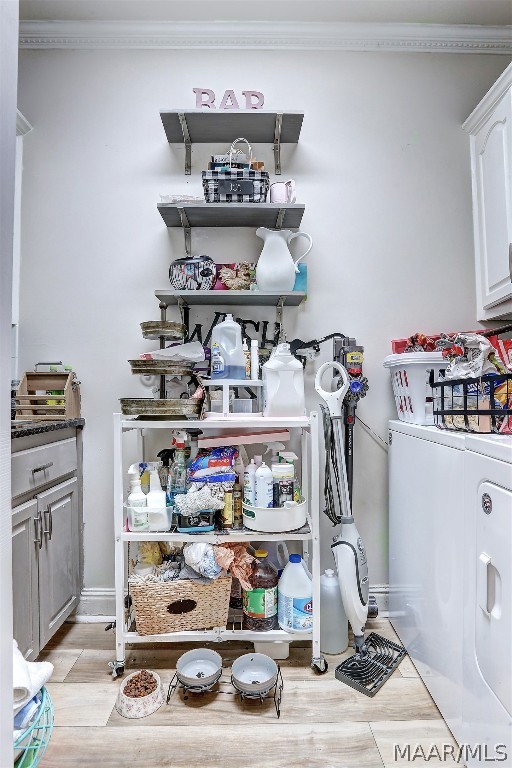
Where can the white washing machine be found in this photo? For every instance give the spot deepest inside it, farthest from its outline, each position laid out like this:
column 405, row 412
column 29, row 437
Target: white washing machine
column 450, row 567
column 487, row 647
column 426, row 557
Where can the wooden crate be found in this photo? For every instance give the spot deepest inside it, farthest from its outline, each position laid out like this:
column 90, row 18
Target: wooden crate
column 48, row 407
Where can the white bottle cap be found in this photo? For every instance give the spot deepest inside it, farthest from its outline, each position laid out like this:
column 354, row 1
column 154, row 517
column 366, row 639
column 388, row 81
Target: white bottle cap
column 329, row 572
column 254, row 342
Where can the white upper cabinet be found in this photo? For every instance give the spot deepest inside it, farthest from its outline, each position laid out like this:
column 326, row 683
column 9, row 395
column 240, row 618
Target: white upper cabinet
column 490, row 128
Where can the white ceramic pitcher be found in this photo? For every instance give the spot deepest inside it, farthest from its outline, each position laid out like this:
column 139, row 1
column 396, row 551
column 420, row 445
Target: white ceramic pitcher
column 276, row 270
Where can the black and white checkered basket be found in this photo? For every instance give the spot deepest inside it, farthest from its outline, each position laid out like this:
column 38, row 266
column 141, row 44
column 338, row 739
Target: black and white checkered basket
column 239, row 185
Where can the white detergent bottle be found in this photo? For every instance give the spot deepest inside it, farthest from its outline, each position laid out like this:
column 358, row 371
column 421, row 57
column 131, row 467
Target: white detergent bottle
column 136, row 503
column 295, row 598
column 264, row 487
column 158, row 512
column 250, row 484
column 228, row 360
column 333, row 619
column 283, row 384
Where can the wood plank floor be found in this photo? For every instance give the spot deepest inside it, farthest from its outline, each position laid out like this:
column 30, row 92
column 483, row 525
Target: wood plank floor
column 323, row 722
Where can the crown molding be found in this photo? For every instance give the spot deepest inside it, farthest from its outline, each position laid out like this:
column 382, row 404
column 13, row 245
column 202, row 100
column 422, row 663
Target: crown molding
column 480, row 114
column 354, row 36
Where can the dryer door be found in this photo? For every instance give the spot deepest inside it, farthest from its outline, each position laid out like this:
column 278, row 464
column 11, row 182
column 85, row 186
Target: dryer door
column 493, row 626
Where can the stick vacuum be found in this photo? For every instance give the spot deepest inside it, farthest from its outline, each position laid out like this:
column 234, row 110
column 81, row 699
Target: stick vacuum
column 375, row 657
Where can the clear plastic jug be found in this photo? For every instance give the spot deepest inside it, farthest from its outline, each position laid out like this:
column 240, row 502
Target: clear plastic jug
column 333, row 620
column 228, row 360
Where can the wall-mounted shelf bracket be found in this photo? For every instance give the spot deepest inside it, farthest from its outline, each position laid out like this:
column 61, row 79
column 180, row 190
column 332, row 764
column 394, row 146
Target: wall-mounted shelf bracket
column 188, row 144
column 277, row 144
column 186, row 230
column 279, row 315
column 280, row 218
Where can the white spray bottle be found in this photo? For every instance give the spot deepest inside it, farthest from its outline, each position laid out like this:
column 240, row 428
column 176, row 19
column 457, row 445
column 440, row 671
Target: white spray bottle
column 136, row 503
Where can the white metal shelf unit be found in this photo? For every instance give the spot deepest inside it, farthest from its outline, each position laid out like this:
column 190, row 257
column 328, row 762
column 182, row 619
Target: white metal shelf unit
column 309, row 536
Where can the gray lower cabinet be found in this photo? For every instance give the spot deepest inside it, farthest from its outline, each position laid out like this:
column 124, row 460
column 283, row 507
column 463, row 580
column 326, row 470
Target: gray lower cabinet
column 58, row 557
column 25, row 532
column 46, row 536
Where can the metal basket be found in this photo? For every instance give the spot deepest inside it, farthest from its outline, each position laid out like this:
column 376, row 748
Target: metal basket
column 482, row 405
column 30, row 745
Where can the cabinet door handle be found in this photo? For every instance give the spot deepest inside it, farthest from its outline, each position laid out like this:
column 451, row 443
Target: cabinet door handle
column 42, row 468
column 38, row 524
column 48, row 531
column 510, row 260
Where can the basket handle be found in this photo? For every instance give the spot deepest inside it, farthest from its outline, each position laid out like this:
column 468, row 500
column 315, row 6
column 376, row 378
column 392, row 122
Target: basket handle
column 232, row 150
column 178, row 607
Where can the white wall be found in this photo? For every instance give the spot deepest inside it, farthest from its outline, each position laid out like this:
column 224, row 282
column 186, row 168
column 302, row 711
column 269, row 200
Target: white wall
column 382, row 165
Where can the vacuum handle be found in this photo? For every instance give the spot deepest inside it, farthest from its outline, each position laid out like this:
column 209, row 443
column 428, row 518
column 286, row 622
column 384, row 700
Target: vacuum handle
column 333, row 400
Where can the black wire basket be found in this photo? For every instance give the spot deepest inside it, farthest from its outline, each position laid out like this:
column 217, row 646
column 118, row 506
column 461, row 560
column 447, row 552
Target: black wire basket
column 482, row 404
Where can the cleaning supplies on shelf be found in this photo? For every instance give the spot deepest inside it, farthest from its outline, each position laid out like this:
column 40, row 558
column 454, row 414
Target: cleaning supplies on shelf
column 228, row 361
column 166, row 455
column 290, row 458
column 227, row 512
column 283, row 476
column 277, row 553
column 260, row 602
column 255, row 360
column 158, row 514
column 136, row 503
column 333, row 619
column 178, row 475
column 283, row 384
column 295, row 598
column 250, row 483
column 264, row 487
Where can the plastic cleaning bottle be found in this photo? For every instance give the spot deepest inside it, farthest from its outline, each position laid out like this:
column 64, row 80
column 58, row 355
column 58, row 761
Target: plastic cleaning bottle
column 277, row 554
column 166, row 455
column 193, row 437
column 290, row 458
column 333, row 619
column 178, row 474
column 260, row 602
column 283, row 384
column 158, row 516
column 295, row 598
column 264, row 487
column 228, row 361
column 250, row 484
column 136, row 503
column 255, row 360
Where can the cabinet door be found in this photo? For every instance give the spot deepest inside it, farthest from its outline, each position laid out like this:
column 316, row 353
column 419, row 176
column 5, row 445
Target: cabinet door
column 25, row 532
column 59, row 557
column 493, row 171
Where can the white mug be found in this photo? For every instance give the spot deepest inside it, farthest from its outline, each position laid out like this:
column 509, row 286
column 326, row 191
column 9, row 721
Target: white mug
column 283, row 192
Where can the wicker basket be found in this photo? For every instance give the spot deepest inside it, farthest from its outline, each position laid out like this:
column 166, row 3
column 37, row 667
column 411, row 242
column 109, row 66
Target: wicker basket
column 180, row 605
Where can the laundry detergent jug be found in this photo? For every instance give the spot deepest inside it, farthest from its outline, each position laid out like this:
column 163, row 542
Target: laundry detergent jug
column 283, row 384
column 228, row 361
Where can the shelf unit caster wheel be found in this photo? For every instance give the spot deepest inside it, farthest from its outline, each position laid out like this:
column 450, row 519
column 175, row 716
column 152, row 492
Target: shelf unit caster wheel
column 117, row 668
column 373, row 608
column 319, row 665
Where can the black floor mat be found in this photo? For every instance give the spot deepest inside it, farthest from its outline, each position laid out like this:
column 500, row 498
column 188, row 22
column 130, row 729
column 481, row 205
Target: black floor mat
column 369, row 673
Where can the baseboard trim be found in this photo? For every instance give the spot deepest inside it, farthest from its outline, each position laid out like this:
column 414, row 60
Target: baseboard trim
column 96, row 601
column 98, row 604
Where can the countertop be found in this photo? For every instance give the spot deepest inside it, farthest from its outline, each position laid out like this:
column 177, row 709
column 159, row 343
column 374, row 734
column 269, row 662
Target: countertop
column 27, row 428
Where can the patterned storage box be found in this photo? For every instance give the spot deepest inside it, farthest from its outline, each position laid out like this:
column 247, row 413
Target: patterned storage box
column 235, row 186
